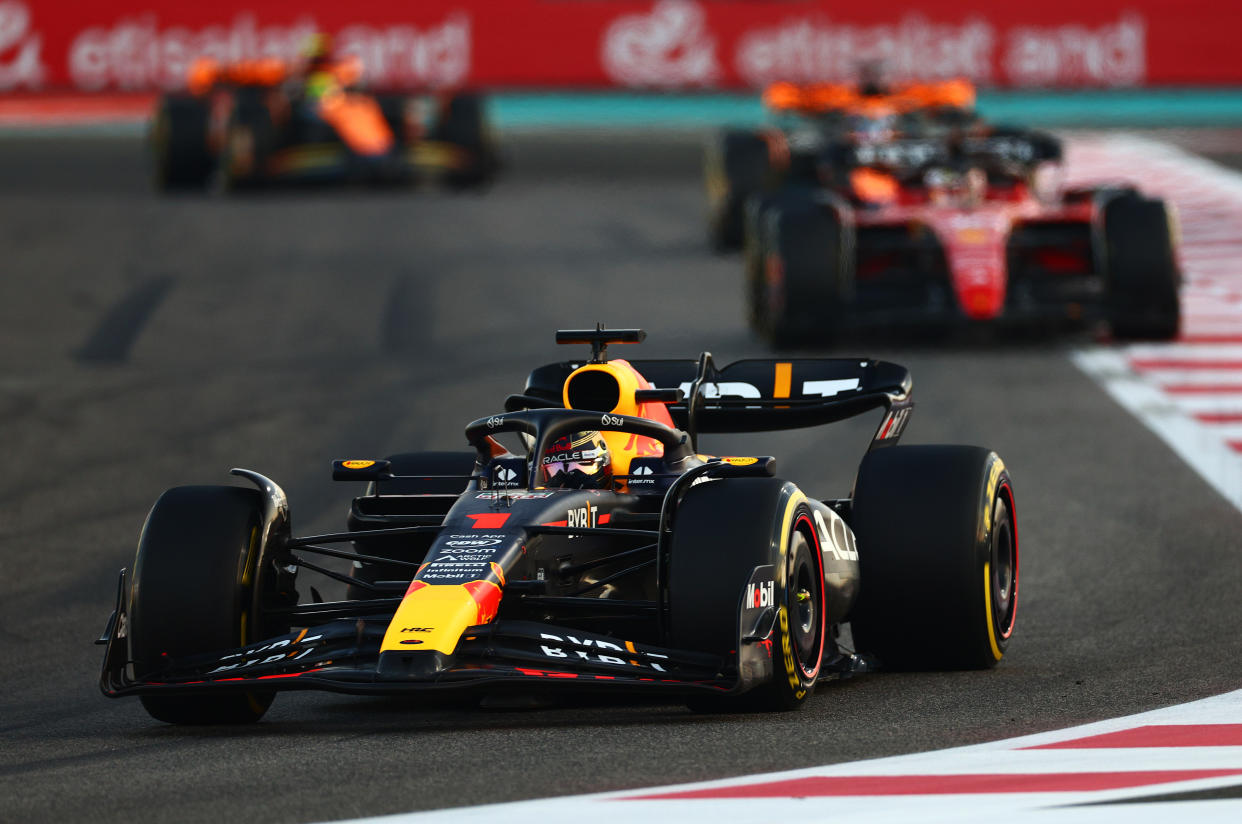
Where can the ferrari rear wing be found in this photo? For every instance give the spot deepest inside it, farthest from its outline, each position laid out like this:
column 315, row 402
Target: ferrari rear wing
column 757, row 395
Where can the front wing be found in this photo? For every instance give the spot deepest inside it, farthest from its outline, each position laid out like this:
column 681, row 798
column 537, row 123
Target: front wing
column 344, row 656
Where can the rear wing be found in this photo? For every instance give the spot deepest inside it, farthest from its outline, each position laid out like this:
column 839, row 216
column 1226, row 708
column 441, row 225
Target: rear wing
column 756, row 395
column 1023, row 148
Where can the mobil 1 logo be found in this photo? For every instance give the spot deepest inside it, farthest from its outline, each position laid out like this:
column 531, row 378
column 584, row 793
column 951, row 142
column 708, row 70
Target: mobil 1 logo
column 760, row 593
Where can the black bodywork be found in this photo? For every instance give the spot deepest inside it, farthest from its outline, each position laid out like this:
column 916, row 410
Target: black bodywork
column 584, row 573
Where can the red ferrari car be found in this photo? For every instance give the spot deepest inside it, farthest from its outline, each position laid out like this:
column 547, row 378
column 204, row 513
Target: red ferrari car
column 970, row 228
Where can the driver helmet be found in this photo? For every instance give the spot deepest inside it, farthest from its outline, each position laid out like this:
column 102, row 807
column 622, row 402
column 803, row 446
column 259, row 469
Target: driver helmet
column 577, row 461
column 317, row 49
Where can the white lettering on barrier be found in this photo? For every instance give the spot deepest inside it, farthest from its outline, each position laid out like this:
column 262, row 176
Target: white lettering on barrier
column 817, row 50
column 20, row 63
column 669, row 47
column 1114, row 54
column 138, row 53
column 405, row 56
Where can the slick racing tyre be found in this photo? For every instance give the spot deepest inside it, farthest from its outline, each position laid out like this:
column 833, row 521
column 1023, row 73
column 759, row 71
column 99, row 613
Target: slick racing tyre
column 395, row 108
column 807, row 278
column 194, row 586
column 1142, row 274
column 248, row 143
column 736, row 165
column 180, row 155
column 463, row 122
column 754, row 253
column 409, row 548
column 722, row 532
column 938, row 551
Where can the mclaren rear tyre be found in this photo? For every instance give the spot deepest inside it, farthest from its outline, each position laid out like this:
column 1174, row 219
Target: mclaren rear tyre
column 249, row 140
column 1142, row 273
column 193, row 591
column 723, row 532
column 807, row 275
column 395, row 109
column 463, row 122
column 938, row 548
column 736, row 165
column 181, row 157
column 442, row 473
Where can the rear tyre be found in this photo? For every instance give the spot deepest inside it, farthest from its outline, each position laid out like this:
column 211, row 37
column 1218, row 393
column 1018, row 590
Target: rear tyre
column 463, row 122
column 938, row 551
column 394, row 108
column 181, row 157
column 412, row 548
column 807, row 278
column 249, row 140
column 736, row 165
column 193, row 591
column 723, row 531
column 1142, row 274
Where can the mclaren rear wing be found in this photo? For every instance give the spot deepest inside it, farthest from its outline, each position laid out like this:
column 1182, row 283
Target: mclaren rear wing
column 757, row 395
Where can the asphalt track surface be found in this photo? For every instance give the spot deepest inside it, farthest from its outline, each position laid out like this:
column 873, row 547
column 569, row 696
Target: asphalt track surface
column 154, row 341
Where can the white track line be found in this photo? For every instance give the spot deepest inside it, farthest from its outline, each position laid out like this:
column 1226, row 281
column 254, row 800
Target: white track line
column 1189, row 391
column 1143, row 761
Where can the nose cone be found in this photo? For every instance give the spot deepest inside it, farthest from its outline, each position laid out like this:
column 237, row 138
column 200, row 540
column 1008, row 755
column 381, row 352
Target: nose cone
column 432, row 618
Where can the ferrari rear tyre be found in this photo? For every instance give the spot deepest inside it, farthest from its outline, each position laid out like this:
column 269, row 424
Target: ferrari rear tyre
column 458, row 465
column 938, row 548
column 181, row 158
column 1142, row 274
column 807, row 275
column 736, row 165
column 723, row 531
column 193, row 591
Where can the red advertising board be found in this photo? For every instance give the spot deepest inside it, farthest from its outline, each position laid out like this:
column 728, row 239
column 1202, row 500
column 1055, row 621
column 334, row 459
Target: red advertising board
column 132, row 45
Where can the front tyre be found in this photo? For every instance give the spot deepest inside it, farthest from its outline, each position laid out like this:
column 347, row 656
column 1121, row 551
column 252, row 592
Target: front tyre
column 725, row 531
column 193, row 591
column 938, row 549
column 800, row 629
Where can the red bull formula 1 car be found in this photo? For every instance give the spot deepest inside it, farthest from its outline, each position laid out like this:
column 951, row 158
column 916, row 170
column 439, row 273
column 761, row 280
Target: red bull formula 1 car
column 711, row 579
column 265, row 122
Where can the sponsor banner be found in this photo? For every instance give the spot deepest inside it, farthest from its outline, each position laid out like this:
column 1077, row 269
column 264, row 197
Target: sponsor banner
column 144, row 45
